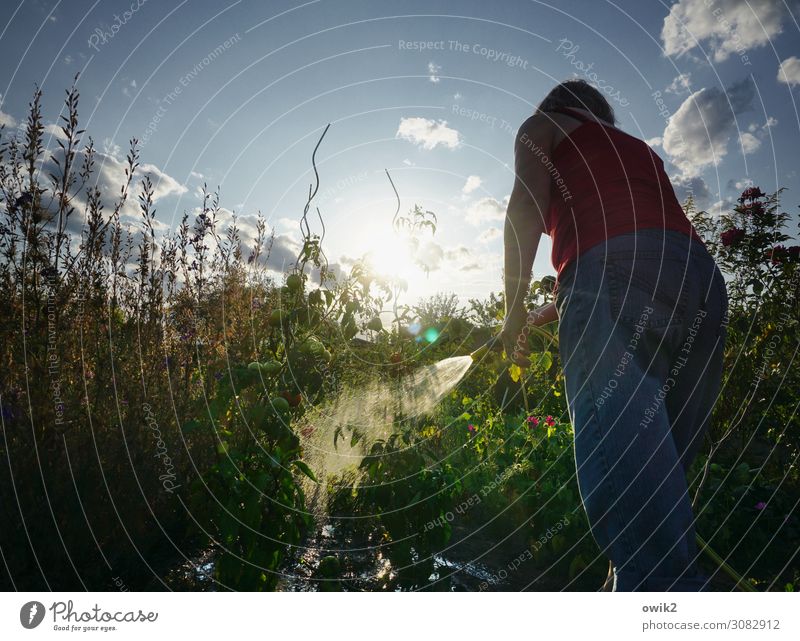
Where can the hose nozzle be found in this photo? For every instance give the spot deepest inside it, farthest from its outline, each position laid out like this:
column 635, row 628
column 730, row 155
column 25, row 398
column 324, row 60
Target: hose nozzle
column 493, row 344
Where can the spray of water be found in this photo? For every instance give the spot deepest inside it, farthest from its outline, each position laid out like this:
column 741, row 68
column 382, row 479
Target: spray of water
column 371, row 412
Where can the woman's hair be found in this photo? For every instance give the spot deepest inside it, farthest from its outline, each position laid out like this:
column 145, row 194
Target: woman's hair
column 580, row 94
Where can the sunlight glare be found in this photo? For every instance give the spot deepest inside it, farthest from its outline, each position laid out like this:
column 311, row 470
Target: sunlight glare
column 392, row 258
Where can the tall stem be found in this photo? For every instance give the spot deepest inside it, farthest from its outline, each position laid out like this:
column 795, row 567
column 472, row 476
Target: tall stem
column 741, row 583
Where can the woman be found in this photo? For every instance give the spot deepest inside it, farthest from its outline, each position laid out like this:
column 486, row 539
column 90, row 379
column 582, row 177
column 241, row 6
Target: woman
column 642, row 311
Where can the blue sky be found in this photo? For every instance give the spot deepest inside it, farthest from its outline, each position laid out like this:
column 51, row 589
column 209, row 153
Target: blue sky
column 237, row 93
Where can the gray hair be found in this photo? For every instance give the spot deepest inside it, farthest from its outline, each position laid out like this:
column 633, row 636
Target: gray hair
column 580, row 94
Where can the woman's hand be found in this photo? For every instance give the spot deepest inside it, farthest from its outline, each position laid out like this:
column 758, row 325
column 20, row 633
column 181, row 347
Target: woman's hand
column 514, row 342
column 516, row 328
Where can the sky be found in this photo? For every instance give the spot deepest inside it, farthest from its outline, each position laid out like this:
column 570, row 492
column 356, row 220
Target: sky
column 236, row 95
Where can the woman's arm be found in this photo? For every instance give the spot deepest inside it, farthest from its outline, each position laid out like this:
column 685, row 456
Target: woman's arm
column 544, row 314
column 524, row 223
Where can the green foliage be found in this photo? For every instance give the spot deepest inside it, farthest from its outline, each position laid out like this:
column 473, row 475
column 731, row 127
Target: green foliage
column 759, row 418
column 154, row 389
column 250, row 502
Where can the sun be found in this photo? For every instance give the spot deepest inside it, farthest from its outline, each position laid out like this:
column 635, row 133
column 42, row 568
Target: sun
column 392, row 257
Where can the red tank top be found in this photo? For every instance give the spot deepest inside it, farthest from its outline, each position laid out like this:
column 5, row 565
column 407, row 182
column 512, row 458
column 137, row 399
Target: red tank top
column 611, row 183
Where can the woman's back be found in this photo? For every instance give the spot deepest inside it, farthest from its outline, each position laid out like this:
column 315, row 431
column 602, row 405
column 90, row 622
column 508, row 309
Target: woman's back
column 641, row 309
column 605, row 182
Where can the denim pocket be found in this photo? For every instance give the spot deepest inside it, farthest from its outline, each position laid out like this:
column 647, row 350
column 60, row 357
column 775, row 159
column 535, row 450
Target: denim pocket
column 647, row 290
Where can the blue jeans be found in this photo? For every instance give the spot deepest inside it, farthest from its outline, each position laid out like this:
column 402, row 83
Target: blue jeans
column 643, row 323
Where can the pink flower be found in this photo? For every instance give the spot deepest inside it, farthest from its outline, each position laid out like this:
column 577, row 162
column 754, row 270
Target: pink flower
column 550, row 421
column 471, row 428
column 532, row 421
column 760, row 505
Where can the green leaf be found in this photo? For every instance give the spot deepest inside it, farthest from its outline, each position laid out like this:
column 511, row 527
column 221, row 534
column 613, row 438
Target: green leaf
column 192, row 425
column 336, row 434
column 545, row 360
column 303, row 467
column 261, row 480
column 577, row 564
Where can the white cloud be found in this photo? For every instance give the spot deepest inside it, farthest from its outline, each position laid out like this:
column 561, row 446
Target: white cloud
column 277, row 255
column 6, row 119
column 472, row 267
column 108, row 175
column 697, row 135
column 789, row 71
column 111, row 148
column 680, row 84
column 129, row 88
column 54, row 131
column 655, row 141
column 694, row 186
column 724, row 27
column 489, row 235
column 473, row 182
column 164, row 184
column 740, row 185
column 428, row 133
column 282, row 253
column 723, row 206
column 288, row 227
column 486, row 210
column 430, row 255
column 457, row 253
column 749, row 142
column 755, row 128
column 433, row 72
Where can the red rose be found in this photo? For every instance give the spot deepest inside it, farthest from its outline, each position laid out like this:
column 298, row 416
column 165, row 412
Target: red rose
column 753, row 208
column 732, row 236
column 751, row 193
column 777, row 254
